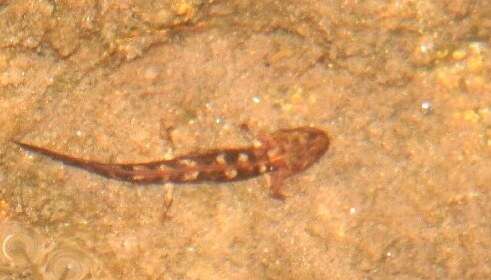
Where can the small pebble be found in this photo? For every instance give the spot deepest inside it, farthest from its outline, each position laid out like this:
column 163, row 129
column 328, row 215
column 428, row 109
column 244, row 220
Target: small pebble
column 426, row 107
column 151, row 73
column 426, row 47
column 219, row 120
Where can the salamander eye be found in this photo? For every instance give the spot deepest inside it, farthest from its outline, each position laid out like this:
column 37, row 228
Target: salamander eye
column 312, row 136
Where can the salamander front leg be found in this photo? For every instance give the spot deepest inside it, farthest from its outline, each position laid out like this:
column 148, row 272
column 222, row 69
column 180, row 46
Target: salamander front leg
column 264, row 138
column 275, row 182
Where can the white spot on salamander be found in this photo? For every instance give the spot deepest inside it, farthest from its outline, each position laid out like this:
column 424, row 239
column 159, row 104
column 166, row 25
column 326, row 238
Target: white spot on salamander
column 256, row 143
column 187, row 162
column 220, row 159
column 163, row 167
column 263, row 168
column 139, row 167
column 138, row 177
column 231, row 173
column 190, row 176
column 243, row 157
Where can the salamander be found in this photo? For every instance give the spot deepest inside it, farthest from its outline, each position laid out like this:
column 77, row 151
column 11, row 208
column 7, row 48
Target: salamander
column 281, row 154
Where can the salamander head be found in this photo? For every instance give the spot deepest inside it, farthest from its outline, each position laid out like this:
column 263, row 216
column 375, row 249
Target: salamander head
column 301, row 146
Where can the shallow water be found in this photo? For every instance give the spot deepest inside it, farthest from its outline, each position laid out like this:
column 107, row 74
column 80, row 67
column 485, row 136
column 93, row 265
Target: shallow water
column 403, row 90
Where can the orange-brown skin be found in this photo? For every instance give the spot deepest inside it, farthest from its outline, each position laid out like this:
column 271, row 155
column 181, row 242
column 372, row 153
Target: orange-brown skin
column 281, row 154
